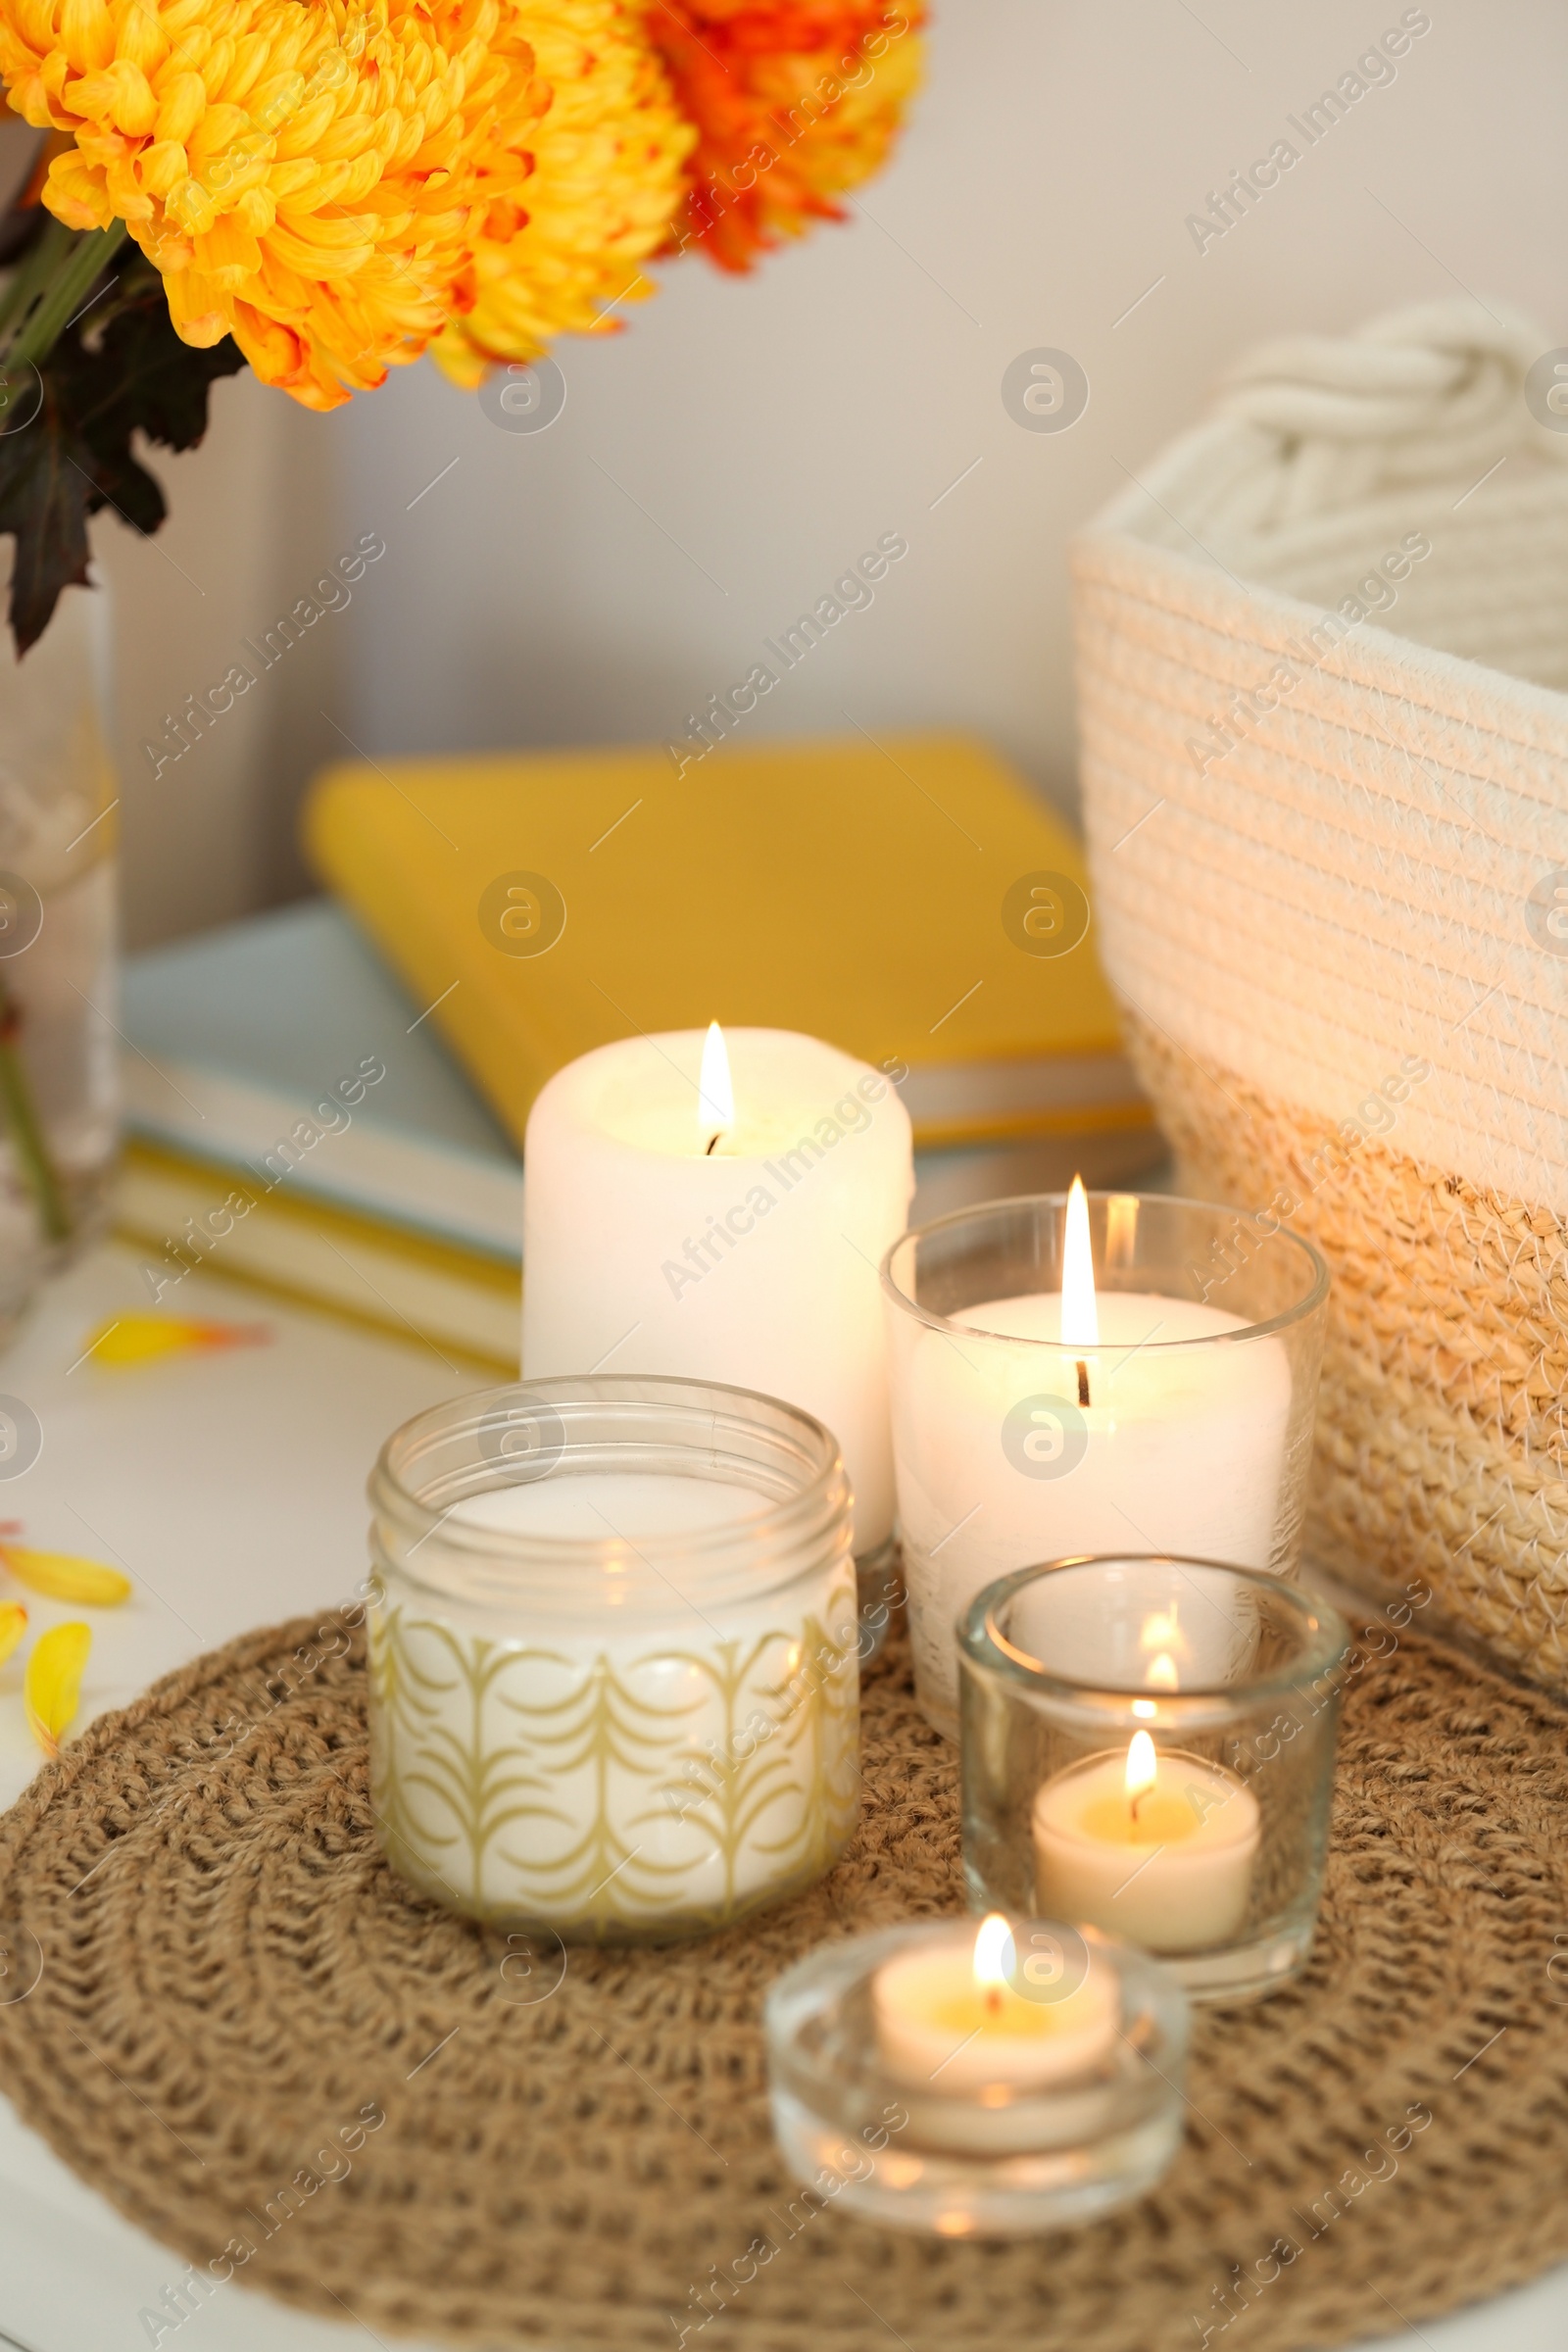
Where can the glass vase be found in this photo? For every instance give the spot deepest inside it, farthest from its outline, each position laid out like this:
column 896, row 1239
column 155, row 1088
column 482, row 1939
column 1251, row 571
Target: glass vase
column 58, row 1081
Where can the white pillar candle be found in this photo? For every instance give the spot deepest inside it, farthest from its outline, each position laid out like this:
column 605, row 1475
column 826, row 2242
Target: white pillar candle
column 1071, row 1424
column 1156, row 1849
column 624, row 1743
column 723, row 1231
column 948, row 2020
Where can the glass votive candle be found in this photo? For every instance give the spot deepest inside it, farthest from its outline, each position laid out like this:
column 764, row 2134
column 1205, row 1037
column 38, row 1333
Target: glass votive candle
column 1088, row 1373
column 1148, row 1749
column 977, row 2080
column 615, row 1688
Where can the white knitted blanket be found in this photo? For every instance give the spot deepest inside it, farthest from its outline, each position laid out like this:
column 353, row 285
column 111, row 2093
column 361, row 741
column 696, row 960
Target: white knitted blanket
column 1323, row 666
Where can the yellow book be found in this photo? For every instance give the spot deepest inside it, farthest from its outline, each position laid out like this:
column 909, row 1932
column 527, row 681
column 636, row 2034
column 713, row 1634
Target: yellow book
column 903, row 897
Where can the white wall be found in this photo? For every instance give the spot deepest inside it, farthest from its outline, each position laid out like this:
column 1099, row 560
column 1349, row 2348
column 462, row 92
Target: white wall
column 719, row 463
column 207, row 836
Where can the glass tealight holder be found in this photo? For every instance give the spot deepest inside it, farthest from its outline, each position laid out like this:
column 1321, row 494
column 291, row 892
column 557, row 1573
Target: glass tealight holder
column 1148, row 1750
column 614, row 1682
column 1057, row 2100
column 1158, row 1394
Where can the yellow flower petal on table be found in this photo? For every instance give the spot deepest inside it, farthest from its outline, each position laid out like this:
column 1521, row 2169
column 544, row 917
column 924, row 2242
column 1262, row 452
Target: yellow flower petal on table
column 13, row 1625
column 65, row 1577
column 143, row 1339
column 53, row 1686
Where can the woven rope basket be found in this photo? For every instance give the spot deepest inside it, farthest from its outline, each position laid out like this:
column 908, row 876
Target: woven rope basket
column 1322, row 657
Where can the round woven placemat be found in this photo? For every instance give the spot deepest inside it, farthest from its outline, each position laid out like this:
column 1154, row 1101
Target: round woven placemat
column 240, row 2028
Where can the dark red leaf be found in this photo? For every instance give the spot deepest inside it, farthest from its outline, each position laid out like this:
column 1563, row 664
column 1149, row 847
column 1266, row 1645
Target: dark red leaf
column 120, row 371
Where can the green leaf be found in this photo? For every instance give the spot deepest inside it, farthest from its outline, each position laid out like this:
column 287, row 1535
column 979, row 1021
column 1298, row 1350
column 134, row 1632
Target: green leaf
column 119, row 371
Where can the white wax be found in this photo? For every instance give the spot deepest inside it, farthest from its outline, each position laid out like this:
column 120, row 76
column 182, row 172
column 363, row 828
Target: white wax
column 756, row 1265
column 1183, row 1450
column 1176, row 1878
column 636, row 1744
column 937, row 2030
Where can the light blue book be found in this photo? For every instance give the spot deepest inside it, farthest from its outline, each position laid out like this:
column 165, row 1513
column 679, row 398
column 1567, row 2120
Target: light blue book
column 245, row 1040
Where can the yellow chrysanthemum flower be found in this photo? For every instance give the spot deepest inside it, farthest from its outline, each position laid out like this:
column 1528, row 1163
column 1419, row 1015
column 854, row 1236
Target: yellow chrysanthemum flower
column 607, row 179
column 308, row 175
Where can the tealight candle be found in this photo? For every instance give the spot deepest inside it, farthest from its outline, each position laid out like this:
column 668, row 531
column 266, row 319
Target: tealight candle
column 1093, row 1785
column 977, row 2084
column 719, row 1209
column 950, row 2020
column 1158, row 1849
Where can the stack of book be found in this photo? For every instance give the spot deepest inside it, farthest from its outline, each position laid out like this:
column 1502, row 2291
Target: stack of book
column 331, row 1100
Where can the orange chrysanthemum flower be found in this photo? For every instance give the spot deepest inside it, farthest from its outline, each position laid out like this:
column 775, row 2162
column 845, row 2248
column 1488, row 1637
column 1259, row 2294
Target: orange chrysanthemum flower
column 795, row 102
column 308, row 175
column 607, row 174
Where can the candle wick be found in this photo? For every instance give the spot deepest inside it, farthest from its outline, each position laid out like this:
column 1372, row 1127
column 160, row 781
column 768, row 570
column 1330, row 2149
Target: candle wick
column 712, row 1143
column 1083, row 1382
column 1135, row 1802
column 994, row 2000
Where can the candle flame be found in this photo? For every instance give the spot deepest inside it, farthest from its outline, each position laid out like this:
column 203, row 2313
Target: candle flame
column 993, row 1953
column 715, row 1094
column 1080, row 1317
column 1142, row 1768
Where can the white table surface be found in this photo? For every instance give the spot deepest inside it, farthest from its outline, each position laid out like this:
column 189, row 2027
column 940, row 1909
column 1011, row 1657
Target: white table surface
column 231, row 1488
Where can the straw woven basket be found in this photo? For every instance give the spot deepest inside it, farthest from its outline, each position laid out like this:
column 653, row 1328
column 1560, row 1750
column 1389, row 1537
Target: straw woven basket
column 1323, row 654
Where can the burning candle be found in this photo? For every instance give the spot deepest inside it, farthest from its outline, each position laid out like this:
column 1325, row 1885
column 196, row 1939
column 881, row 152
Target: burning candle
column 1050, row 1423
column 1030, row 2076
column 1155, row 1848
column 717, row 1209
column 953, row 2019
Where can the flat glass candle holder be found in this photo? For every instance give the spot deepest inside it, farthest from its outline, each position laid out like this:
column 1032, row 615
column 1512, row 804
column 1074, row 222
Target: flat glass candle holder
column 614, row 1683
column 893, row 2102
column 1148, row 1749
column 1177, row 1417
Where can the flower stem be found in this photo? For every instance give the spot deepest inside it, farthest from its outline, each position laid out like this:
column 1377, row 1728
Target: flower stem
column 64, row 278
column 26, row 1135
column 35, row 272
